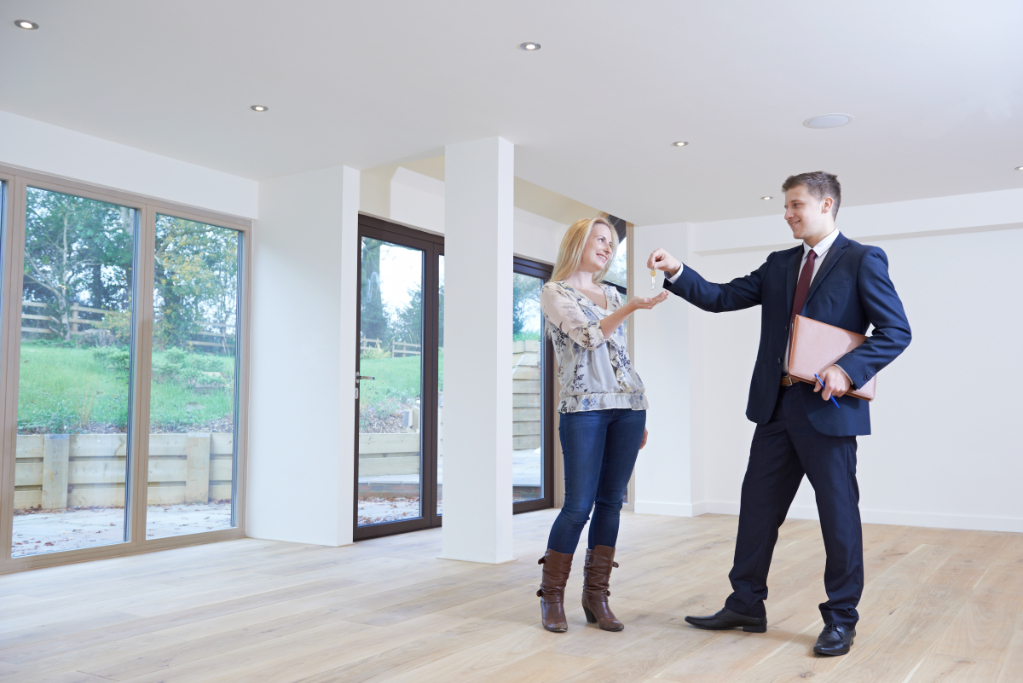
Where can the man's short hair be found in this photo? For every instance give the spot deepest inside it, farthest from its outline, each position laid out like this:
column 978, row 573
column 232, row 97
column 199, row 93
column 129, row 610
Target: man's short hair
column 820, row 185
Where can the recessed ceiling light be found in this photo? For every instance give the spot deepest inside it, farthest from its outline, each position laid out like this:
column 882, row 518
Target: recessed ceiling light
column 258, row 107
column 529, row 47
column 1019, row 168
column 27, row 25
column 828, row 121
column 680, row 143
column 766, row 198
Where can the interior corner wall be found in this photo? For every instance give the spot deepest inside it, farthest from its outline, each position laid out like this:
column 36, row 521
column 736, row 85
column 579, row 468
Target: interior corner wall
column 417, row 201
column 664, row 470
column 300, row 328
column 944, row 451
column 42, row 147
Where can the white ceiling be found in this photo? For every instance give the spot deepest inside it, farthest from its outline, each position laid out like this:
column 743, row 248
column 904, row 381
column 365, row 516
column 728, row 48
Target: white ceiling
column 936, row 89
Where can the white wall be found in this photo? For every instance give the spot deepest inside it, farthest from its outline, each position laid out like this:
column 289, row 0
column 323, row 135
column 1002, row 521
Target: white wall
column 413, row 199
column 301, row 400
column 944, row 451
column 42, row 147
column 664, row 469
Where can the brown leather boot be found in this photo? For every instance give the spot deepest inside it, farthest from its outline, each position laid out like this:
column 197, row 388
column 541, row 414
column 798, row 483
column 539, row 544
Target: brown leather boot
column 596, row 576
column 556, row 567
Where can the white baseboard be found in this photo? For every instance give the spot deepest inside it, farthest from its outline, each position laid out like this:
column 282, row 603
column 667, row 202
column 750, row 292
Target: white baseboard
column 899, row 517
column 647, row 507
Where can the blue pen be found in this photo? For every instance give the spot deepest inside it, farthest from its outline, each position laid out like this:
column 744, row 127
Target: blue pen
column 822, row 386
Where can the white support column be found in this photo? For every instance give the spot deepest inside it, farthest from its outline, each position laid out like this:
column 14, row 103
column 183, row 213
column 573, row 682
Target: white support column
column 478, row 248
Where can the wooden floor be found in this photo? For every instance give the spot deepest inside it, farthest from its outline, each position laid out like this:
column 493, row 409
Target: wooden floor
column 939, row 605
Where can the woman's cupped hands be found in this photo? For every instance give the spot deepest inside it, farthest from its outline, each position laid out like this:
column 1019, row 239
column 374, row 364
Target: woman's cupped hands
column 639, row 302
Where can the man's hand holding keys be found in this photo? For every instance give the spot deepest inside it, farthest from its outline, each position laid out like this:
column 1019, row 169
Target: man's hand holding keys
column 662, row 260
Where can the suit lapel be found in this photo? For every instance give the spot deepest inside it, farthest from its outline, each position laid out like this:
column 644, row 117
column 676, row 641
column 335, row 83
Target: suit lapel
column 834, row 253
column 792, row 274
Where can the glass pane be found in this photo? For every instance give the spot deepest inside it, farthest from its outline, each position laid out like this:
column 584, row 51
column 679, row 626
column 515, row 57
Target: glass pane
column 618, row 273
column 194, row 379
column 391, row 337
column 440, row 388
column 527, row 388
column 71, row 463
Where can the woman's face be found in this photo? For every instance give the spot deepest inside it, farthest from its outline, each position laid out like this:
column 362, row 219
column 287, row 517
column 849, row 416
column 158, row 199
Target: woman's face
column 597, row 250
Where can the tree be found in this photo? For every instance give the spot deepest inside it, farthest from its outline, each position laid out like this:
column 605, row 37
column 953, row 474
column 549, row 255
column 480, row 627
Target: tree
column 77, row 251
column 195, row 280
column 408, row 322
column 525, row 300
column 373, row 317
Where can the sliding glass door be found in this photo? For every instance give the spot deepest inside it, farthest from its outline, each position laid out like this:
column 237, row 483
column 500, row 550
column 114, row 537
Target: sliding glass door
column 397, row 378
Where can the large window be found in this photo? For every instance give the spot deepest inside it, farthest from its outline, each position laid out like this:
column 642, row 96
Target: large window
column 122, row 331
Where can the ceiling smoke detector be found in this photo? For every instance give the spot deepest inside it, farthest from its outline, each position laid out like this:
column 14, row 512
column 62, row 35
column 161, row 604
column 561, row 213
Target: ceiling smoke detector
column 828, row 121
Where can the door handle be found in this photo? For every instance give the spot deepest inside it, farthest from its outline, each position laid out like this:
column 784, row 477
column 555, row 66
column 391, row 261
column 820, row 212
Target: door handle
column 358, row 377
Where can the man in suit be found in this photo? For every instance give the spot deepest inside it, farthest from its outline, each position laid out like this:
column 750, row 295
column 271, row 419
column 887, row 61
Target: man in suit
column 840, row 282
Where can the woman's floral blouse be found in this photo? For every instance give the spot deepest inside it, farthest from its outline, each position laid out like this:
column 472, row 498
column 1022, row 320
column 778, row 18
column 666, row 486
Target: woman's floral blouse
column 594, row 371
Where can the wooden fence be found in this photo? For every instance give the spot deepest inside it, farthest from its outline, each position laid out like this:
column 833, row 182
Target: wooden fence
column 75, row 321
column 398, row 349
column 57, row 471
column 402, row 349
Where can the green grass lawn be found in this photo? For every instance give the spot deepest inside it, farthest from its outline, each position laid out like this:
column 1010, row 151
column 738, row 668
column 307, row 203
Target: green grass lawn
column 70, row 390
column 396, row 385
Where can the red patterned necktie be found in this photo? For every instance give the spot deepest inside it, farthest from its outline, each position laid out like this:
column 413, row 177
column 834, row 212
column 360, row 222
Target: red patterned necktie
column 803, row 286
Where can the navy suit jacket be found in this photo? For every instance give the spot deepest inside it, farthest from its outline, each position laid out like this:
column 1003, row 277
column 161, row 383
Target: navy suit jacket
column 851, row 290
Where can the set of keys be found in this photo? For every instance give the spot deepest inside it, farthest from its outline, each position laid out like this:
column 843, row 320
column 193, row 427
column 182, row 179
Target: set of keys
column 653, row 279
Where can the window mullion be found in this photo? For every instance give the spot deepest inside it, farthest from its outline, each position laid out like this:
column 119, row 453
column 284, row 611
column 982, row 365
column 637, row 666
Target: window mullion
column 142, row 347
column 10, row 329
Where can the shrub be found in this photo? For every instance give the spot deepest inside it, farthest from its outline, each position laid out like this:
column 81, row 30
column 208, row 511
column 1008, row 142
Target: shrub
column 119, row 325
column 114, row 358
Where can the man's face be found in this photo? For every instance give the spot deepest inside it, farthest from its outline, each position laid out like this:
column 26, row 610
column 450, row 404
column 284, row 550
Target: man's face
column 807, row 216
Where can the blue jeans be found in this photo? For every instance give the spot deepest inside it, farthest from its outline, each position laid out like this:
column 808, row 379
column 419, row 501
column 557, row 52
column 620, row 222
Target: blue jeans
column 600, row 449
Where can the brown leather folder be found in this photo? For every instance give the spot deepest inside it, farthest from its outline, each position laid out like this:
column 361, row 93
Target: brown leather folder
column 817, row 345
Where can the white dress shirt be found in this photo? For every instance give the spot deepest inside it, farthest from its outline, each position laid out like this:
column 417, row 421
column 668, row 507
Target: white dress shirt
column 821, row 249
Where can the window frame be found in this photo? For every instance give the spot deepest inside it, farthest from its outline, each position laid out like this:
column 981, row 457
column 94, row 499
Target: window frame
column 11, row 284
column 432, row 246
column 544, row 272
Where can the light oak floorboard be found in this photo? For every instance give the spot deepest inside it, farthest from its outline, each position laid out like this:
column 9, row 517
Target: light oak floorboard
column 939, row 605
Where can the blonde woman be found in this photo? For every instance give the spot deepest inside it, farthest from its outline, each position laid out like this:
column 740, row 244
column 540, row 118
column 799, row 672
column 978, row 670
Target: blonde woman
column 603, row 416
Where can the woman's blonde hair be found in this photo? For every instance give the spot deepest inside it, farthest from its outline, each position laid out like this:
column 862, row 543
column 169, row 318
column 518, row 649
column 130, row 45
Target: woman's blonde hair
column 571, row 250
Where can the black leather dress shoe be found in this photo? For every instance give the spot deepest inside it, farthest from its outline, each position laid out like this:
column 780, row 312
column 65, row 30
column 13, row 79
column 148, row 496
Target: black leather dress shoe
column 726, row 619
column 834, row 640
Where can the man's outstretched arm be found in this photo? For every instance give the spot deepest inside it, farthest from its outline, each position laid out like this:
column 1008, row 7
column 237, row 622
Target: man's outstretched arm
column 685, row 282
